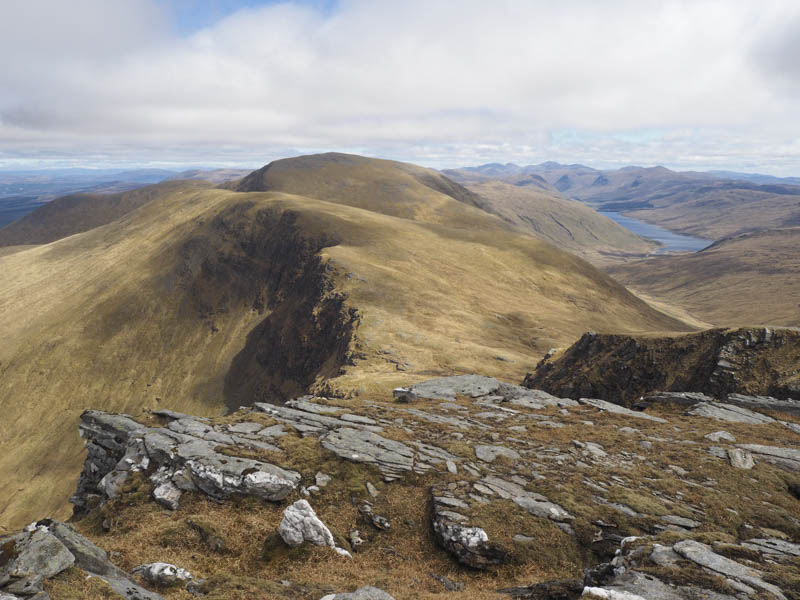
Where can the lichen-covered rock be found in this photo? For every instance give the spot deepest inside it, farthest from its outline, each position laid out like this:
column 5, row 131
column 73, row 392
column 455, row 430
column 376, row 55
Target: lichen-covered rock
column 300, row 524
column 740, row 459
column 468, row 543
column 49, row 547
column 185, row 457
column 33, row 556
column 163, row 574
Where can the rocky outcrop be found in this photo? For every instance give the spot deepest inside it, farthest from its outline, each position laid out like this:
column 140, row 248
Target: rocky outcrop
column 485, row 472
column 180, row 457
column 716, row 362
column 260, row 260
column 45, row 549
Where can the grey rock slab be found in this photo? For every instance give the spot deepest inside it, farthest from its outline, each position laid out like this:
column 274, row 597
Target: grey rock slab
column 788, row 458
column 704, row 556
column 635, row 585
column 447, row 388
column 590, row 448
column 173, row 415
column 390, row 456
column 741, row 459
column 729, row 413
column 489, row 453
column 532, row 399
column 459, row 422
column 88, row 556
column 774, row 547
column 681, row 521
column 364, row 593
column 313, row 407
column 720, row 436
column 787, row 406
column 680, row 398
column 360, row 419
column 620, row 410
column 245, row 428
column 307, row 422
column 664, row 556
column 220, row 476
column 547, row 510
column 36, row 555
column 94, row 560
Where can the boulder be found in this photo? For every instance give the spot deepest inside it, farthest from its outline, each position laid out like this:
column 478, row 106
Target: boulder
column 300, row 524
column 720, row 436
column 740, row 459
column 163, row 574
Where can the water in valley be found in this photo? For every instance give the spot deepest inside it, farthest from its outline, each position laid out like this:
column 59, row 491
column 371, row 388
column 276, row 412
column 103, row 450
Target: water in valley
column 671, row 242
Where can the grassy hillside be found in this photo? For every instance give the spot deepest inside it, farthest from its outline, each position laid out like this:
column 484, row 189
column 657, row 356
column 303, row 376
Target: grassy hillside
column 724, row 209
column 567, row 224
column 76, row 213
column 203, row 299
column 750, row 279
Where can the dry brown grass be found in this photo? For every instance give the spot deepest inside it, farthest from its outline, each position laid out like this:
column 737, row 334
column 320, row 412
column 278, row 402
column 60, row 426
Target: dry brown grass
column 75, row 584
column 748, row 280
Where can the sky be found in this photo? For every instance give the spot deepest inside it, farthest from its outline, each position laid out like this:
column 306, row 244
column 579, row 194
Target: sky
column 689, row 84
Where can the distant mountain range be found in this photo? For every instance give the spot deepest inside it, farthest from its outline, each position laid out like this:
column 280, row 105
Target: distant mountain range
column 705, row 205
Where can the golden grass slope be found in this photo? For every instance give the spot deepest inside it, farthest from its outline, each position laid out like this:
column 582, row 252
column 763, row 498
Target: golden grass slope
column 205, row 297
column 77, row 213
column 749, row 279
column 567, row 224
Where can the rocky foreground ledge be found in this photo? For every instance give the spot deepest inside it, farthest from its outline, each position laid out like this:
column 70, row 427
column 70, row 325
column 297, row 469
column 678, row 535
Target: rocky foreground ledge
column 463, row 486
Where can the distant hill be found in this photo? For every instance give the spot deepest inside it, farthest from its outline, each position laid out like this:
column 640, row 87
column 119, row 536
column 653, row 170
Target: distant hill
column 346, row 277
column 756, row 177
column 748, row 279
column 74, row 214
column 565, row 223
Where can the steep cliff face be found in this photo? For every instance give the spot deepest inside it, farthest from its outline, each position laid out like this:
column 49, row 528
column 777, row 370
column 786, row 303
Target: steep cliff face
column 260, row 260
column 761, row 361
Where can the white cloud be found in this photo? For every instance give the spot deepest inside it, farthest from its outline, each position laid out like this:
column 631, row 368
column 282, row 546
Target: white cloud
column 703, row 83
